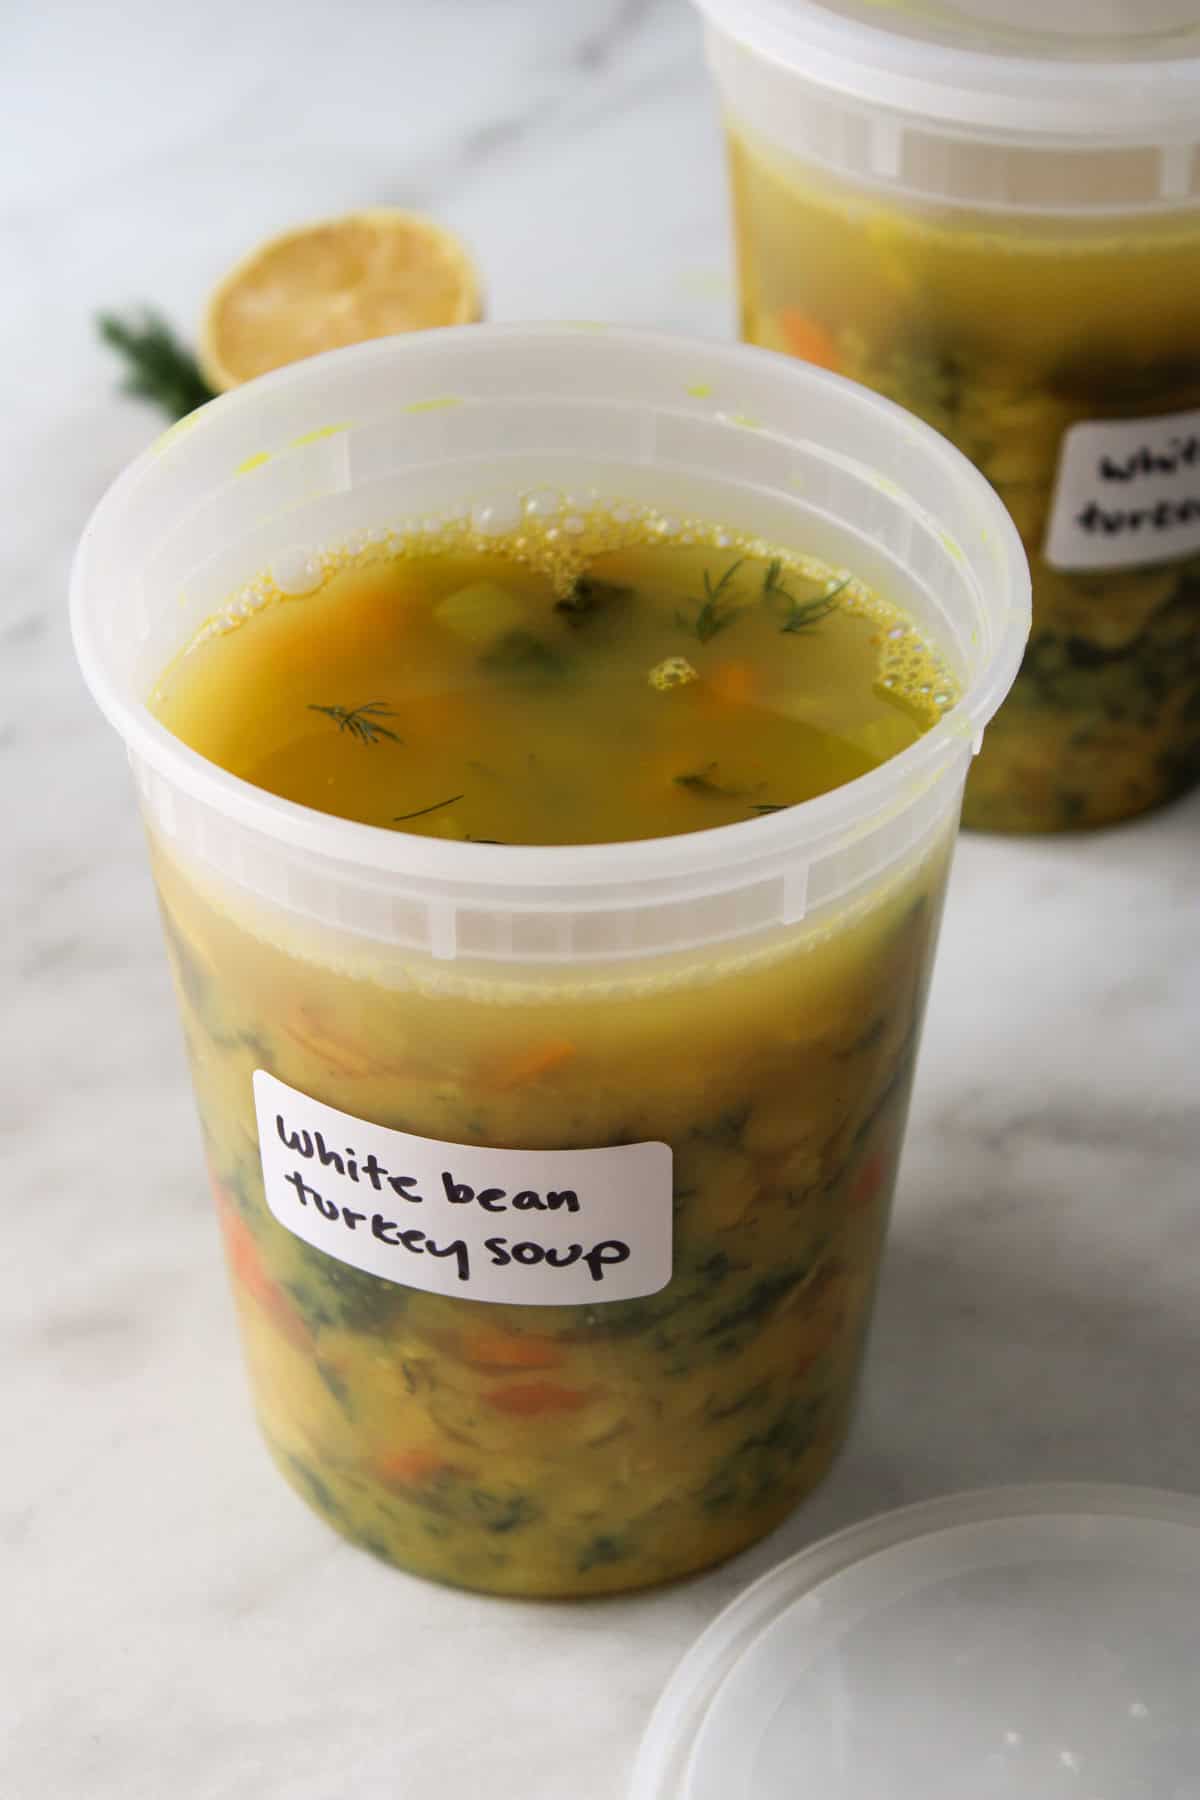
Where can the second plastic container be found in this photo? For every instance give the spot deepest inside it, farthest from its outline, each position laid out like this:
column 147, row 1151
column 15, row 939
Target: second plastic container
column 989, row 210
column 548, row 1323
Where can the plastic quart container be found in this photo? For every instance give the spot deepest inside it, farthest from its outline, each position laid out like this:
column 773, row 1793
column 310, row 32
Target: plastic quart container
column 989, row 210
column 596, row 1324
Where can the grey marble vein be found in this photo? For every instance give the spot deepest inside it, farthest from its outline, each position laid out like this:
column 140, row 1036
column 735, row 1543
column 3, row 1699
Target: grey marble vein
column 599, row 48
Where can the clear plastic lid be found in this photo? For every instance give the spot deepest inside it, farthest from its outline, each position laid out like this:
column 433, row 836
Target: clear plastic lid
column 1104, row 94
column 1027, row 1644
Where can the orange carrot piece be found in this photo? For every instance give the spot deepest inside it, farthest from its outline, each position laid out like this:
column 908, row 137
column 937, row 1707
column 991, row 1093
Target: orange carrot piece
column 870, row 1178
column 316, row 1039
column 497, row 1350
column 223, row 1196
column 734, row 682
column 409, row 1468
column 808, row 338
column 534, row 1399
column 531, row 1064
column 340, row 1054
column 249, row 1273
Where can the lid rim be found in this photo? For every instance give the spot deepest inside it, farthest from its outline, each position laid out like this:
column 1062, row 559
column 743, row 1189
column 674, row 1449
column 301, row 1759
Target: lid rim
column 666, row 1747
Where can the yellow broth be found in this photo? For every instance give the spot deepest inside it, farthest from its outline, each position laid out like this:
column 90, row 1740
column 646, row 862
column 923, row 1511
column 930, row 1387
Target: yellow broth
column 630, row 693
column 579, row 1449
column 1003, row 334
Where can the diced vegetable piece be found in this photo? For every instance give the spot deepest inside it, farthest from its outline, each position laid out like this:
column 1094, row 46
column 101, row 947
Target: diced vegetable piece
column 808, row 339
column 482, row 613
column 534, row 1399
column 332, row 1294
column 500, row 1350
column 870, row 1178
column 250, row 1274
column 530, row 1064
column 734, row 682
column 315, row 1038
column 409, row 1467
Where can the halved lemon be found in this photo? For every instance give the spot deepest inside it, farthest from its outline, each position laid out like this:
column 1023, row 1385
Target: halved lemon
column 339, row 282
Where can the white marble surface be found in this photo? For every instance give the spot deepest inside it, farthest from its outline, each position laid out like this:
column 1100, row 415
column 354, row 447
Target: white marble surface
column 172, row 1621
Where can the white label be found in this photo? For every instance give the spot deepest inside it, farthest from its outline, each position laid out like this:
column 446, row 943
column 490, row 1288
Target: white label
column 1127, row 491
column 527, row 1227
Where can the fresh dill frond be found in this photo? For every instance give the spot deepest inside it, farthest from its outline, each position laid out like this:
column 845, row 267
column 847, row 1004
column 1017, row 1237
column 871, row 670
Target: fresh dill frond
column 588, row 596
column 700, row 781
column 158, row 367
column 421, row 811
column 362, row 722
column 714, row 611
column 807, row 613
column 804, row 614
column 801, row 615
column 706, row 781
column 773, row 585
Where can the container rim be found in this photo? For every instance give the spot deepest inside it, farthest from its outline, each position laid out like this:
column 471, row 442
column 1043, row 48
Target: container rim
column 504, row 870
column 981, row 90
